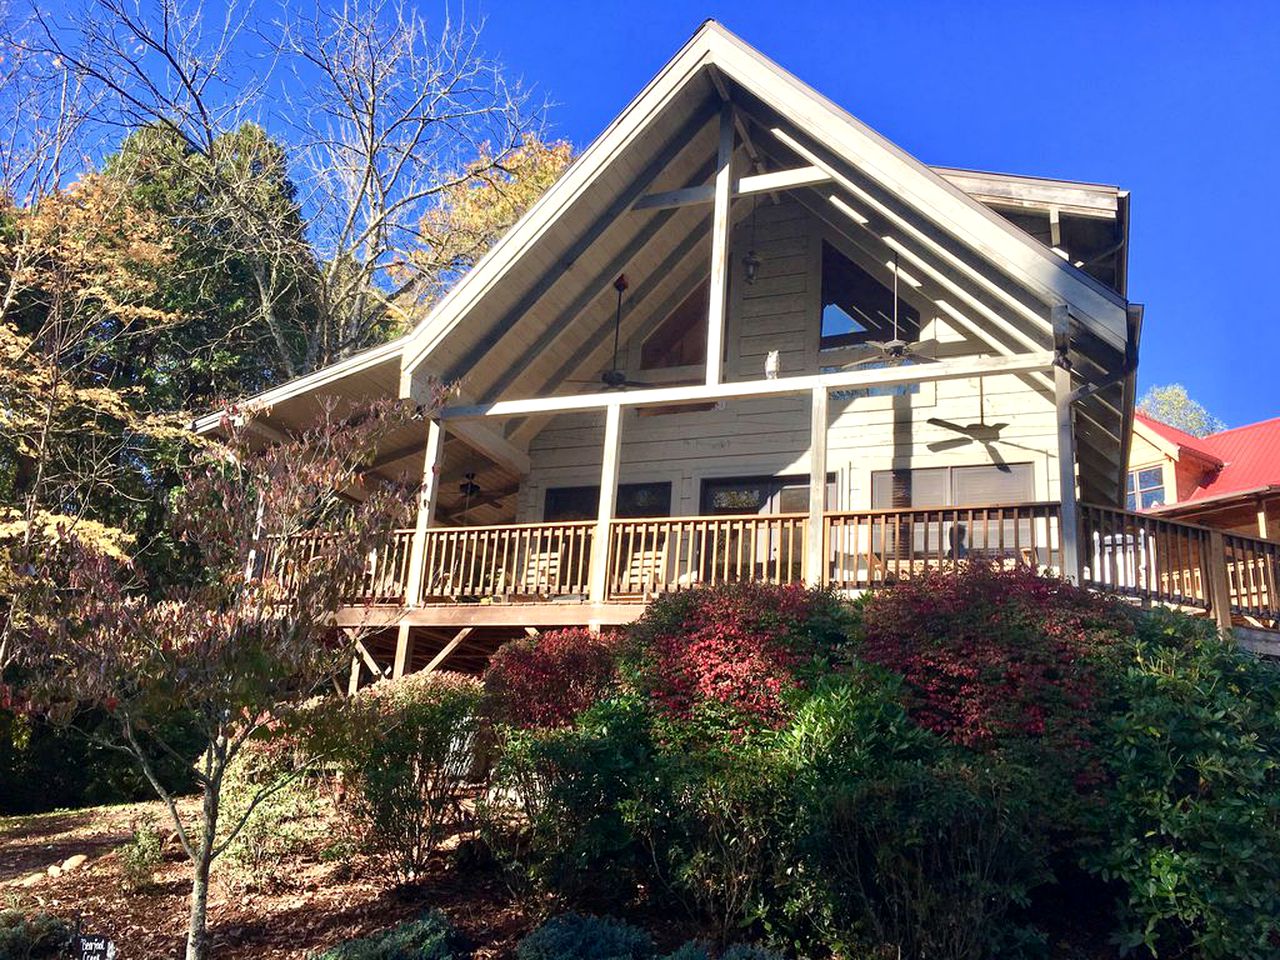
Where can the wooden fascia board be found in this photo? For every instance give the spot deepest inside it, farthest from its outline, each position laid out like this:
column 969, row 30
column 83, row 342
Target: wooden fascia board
column 967, row 219
column 1023, row 363
column 582, row 173
column 325, row 376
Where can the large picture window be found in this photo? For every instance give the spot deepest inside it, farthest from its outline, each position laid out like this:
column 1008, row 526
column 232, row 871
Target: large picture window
column 681, row 338
column 856, row 307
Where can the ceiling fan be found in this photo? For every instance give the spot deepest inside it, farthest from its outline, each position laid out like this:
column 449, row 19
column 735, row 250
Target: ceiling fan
column 613, row 378
column 987, row 434
column 895, row 351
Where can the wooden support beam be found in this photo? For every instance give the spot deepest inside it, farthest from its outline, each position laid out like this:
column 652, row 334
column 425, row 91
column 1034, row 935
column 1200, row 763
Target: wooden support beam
column 1262, row 518
column 958, row 369
column 612, row 453
column 1070, row 516
column 532, row 632
column 601, row 283
column 368, row 658
column 493, row 445
column 448, row 648
column 404, row 651
column 806, row 176
column 353, row 684
column 584, row 241
column 815, row 567
column 428, row 493
column 1219, row 582
column 720, row 241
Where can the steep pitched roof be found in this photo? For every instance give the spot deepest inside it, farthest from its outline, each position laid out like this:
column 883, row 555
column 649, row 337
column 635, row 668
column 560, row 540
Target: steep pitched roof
column 714, row 51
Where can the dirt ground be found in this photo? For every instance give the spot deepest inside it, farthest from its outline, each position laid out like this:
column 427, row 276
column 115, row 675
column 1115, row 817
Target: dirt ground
column 322, row 904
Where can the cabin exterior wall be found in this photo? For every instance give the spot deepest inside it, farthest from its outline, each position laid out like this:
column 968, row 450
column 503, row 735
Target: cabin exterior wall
column 782, row 311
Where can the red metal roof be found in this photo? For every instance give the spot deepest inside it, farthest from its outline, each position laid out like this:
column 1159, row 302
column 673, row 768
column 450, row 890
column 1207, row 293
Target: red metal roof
column 1250, row 457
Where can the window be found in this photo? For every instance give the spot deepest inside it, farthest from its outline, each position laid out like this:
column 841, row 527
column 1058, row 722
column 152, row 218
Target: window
column 760, row 495
column 583, row 503
column 1145, row 488
column 681, row 338
column 856, row 307
column 984, row 484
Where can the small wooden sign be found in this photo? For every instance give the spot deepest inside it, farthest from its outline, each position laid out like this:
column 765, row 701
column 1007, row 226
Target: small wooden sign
column 94, row 946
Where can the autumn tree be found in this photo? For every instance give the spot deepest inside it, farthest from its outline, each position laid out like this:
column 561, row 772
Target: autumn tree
column 241, row 647
column 478, row 208
column 1172, row 404
column 82, row 299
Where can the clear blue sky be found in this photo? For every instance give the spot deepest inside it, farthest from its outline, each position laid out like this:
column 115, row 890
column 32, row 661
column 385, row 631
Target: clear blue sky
column 1178, row 102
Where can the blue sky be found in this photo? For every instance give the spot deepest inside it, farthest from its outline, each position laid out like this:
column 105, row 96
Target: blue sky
column 1178, row 102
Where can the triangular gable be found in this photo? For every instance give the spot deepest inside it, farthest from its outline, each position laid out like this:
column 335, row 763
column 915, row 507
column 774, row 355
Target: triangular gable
column 989, row 236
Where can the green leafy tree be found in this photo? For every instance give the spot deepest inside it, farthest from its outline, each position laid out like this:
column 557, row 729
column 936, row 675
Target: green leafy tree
column 1172, row 404
column 236, row 652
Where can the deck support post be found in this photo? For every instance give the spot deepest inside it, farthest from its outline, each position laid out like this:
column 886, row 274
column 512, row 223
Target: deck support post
column 428, row 490
column 353, row 684
column 1219, row 581
column 1069, row 523
column 815, row 561
column 608, row 498
column 404, row 651
column 720, row 223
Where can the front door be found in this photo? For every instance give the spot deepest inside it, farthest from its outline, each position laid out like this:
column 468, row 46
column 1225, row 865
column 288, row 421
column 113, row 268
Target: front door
column 745, row 549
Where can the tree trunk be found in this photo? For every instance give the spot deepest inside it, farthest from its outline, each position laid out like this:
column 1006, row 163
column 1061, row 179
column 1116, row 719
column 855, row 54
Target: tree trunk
column 197, row 935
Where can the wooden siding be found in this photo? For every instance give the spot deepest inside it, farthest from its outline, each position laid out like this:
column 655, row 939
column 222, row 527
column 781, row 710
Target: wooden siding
column 771, row 436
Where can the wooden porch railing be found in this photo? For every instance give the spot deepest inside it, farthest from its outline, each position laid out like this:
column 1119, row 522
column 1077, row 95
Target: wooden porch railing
column 867, row 549
column 524, row 561
column 382, row 580
column 1142, row 556
column 652, row 556
column 1253, row 572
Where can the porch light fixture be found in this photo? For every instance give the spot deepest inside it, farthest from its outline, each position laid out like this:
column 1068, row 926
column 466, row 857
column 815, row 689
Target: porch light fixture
column 751, row 263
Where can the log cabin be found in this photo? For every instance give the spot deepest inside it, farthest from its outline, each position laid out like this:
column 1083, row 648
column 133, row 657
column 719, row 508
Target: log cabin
column 746, row 336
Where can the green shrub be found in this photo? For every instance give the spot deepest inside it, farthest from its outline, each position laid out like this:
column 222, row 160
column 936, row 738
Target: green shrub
column 928, row 860
column 1192, row 826
column 748, row 951
column 405, row 750
column 429, row 938
column 693, row 950
column 142, row 854
column 34, row 936
column 559, row 813
column 289, row 816
column 572, row 936
column 719, row 834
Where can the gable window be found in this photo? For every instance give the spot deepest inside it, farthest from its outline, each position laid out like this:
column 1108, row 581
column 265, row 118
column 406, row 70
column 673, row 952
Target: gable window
column 563, row 504
column 856, row 307
column 681, row 338
column 1145, row 488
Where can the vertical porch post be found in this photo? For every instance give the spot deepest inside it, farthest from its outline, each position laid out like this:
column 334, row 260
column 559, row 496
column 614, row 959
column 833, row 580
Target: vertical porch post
column 815, row 560
column 428, row 490
column 608, row 498
column 720, row 248
column 1219, row 580
column 1069, row 524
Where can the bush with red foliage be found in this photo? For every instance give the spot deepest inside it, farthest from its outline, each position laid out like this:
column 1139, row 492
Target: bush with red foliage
column 994, row 658
column 548, row 681
column 733, row 650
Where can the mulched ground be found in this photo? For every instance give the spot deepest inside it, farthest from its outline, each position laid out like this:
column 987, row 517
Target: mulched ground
column 322, row 904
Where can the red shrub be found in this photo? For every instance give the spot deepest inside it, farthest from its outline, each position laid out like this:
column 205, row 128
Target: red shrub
column 548, row 681
column 992, row 657
column 735, row 647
